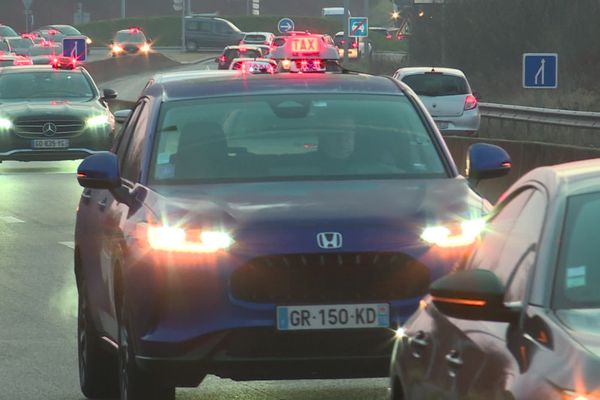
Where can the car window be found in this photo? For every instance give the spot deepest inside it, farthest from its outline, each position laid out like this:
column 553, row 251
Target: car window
column 124, row 136
column 132, row 161
column 21, row 43
column 69, row 30
column 299, row 136
column 51, row 85
column 4, row 46
column 437, row 84
column 577, row 280
column 223, row 27
column 201, row 26
column 255, row 38
column 7, row 31
column 126, row 36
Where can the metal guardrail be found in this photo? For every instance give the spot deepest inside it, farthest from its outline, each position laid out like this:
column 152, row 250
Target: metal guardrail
column 547, row 116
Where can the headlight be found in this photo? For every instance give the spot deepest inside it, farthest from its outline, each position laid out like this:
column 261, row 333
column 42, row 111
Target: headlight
column 88, row 41
column 145, row 48
column 571, row 395
column 173, row 239
column 460, row 234
column 97, row 121
column 5, row 124
column 116, row 48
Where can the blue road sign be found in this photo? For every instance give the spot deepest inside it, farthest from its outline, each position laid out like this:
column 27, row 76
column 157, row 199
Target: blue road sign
column 540, row 70
column 358, row 26
column 75, row 47
column 285, row 25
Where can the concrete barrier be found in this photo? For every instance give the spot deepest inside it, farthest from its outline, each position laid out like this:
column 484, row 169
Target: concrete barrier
column 525, row 156
column 118, row 67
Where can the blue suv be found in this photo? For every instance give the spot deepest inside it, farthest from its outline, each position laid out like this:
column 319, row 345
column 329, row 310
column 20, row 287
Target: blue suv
column 264, row 227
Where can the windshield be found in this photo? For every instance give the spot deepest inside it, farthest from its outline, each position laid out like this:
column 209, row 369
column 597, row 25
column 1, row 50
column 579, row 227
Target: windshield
column 46, row 85
column 284, row 137
column 578, row 274
column 4, row 46
column 434, row 84
column 20, row 43
column 126, row 36
column 7, row 31
column 247, row 53
column 44, row 50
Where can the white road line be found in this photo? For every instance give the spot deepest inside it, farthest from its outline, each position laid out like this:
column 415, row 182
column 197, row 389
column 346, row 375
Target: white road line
column 12, row 220
column 70, row 245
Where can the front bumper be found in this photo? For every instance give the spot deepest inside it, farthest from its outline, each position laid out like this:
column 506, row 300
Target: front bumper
column 16, row 148
column 265, row 354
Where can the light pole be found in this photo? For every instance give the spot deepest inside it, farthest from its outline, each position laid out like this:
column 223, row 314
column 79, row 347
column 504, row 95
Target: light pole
column 346, row 33
column 123, row 8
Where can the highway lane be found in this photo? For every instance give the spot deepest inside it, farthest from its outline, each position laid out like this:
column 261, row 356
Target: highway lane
column 38, row 295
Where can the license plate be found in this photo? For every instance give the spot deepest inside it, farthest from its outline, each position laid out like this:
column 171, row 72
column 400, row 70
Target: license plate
column 341, row 316
column 442, row 125
column 50, row 143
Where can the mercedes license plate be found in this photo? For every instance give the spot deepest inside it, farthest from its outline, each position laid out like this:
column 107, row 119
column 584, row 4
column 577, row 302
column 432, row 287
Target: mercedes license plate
column 50, row 143
column 341, row 316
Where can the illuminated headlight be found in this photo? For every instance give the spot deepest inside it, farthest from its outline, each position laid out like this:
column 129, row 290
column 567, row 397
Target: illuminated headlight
column 173, row 239
column 88, row 41
column 116, row 48
column 5, row 124
column 97, row 121
column 462, row 234
column 145, row 48
column 571, row 395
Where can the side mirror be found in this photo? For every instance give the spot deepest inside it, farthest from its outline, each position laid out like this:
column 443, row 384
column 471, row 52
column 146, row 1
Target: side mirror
column 99, row 171
column 485, row 161
column 121, row 116
column 473, row 294
column 109, row 94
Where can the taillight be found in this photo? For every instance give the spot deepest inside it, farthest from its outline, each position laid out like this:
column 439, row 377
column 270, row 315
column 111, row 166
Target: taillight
column 222, row 59
column 354, row 45
column 470, row 102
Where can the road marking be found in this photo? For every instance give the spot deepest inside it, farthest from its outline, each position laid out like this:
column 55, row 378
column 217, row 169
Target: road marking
column 12, row 220
column 70, row 245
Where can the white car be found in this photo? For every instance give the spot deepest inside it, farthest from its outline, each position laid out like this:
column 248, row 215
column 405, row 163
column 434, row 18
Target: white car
column 448, row 97
column 258, row 38
column 254, row 65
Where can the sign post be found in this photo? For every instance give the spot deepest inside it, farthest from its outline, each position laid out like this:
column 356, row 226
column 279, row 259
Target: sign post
column 75, row 47
column 540, row 70
column 285, row 25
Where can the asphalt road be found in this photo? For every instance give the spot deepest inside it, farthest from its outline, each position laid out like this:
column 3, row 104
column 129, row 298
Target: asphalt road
column 38, row 358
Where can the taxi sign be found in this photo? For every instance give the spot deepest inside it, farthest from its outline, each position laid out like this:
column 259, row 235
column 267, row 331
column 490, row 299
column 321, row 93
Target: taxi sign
column 305, row 44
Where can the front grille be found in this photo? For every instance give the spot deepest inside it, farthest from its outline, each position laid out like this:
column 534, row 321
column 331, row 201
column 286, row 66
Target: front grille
column 330, row 278
column 32, row 128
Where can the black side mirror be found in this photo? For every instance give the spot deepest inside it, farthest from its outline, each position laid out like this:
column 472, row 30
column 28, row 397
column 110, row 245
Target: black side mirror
column 109, row 94
column 121, row 116
column 472, row 294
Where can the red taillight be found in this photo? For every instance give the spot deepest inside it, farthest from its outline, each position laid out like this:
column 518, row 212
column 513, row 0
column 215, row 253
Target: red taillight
column 317, row 64
column 470, row 102
column 388, row 35
column 222, row 59
column 354, row 45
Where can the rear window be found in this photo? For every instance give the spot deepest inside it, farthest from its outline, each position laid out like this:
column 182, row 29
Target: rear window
column 292, row 137
column 7, row 31
column 235, row 53
column 255, row 38
column 130, row 37
column 436, row 84
column 277, row 42
column 20, row 43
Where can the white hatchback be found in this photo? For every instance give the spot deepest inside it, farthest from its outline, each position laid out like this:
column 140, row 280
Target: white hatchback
column 446, row 94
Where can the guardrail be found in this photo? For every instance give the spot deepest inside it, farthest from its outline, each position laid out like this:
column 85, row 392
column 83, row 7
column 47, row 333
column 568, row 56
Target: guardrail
column 567, row 118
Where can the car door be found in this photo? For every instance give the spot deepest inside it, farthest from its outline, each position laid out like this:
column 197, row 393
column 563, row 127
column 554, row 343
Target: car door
column 485, row 357
column 109, row 210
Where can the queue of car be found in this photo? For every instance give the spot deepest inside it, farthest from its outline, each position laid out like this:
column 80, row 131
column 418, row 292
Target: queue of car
column 291, row 216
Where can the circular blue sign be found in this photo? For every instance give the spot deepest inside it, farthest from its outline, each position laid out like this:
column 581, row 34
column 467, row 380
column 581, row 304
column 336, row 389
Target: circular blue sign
column 285, row 25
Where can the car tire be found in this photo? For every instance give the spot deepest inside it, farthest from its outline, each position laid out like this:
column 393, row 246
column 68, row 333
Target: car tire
column 134, row 383
column 191, row 46
column 98, row 373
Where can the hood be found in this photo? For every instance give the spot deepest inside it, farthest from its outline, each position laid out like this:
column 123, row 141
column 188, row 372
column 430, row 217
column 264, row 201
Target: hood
column 51, row 107
column 374, row 213
column 584, row 327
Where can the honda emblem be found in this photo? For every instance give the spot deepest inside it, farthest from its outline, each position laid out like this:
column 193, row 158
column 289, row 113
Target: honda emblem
column 329, row 240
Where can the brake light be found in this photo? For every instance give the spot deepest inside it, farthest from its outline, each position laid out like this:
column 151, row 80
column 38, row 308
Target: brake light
column 64, row 63
column 470, row 102
column 20, row 60
column 354, row 45
column 317, row 64
column 243, row 49
column 134, row 29
column 388, row 35
column 222, row 59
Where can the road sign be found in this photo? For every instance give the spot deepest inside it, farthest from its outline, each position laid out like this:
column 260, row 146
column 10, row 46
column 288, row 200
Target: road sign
column 75, row 46
column 358, row 26
column 540, row 70
column 285, row 25
column 27, row 4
